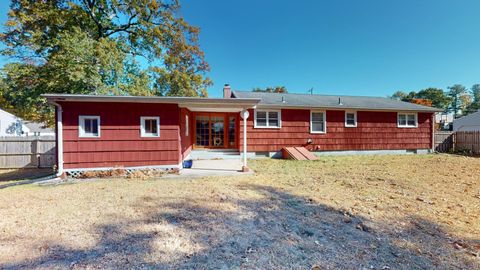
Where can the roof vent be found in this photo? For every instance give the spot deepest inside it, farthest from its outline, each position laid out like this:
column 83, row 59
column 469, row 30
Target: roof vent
column 340, row 101
column 283, row 99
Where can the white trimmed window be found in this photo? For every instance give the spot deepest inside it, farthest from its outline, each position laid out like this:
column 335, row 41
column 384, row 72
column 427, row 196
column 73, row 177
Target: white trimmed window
column 150, row 126
column 186, row 125
column 89, row 126
column 268, row 119
column 350, row 119
column 407, row 120
column 318, row 122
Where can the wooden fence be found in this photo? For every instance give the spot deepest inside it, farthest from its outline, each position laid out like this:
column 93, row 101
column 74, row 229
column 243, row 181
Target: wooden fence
column 443, row 141
column 27, row 152
column 467, row 142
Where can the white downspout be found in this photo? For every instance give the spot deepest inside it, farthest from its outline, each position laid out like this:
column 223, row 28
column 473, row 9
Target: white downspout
column 59, row 139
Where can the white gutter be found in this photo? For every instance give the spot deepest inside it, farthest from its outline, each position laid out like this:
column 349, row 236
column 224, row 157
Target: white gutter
column 59, row 139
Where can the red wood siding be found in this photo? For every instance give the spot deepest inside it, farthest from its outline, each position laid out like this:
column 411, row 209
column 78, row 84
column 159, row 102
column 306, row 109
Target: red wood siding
column 186, row 141
column 120, row 143
column 374, row 131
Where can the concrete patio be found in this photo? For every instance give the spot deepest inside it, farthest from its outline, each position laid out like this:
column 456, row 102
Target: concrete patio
column 212, row 167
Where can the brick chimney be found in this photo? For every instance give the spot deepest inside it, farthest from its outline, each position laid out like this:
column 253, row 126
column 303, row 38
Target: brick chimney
column 227, row 91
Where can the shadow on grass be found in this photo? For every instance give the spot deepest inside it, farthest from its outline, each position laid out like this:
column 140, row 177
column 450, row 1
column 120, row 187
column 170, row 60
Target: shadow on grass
column 278, row 230
column 23, row 177
column 24, row 174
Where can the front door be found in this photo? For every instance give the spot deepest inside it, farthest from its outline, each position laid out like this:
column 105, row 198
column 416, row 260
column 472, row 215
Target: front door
column 215, row 130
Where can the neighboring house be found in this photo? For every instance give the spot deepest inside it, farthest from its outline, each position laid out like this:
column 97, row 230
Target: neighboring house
column 10, row 125
column 112, row 131
column 444, row 120
column 469, row 122
column 38, row 129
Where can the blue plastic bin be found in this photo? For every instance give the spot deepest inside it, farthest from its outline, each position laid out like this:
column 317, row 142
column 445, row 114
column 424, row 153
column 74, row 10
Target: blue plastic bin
column 187, row 164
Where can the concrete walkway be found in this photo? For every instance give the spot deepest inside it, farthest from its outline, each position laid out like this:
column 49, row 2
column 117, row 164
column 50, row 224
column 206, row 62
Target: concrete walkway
column 212, row 167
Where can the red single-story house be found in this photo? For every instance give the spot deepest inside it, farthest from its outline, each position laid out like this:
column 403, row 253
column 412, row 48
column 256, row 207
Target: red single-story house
column 101, row 132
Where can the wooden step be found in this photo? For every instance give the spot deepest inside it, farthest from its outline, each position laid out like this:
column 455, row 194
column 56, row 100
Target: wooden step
column 297, row 153
column 292, row 153
column 304, row 151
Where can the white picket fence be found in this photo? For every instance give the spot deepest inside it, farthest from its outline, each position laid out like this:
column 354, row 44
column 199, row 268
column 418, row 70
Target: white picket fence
column 27, row 152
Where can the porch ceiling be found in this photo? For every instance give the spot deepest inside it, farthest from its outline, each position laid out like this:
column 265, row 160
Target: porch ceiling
column 196, row 108
column 217, row 107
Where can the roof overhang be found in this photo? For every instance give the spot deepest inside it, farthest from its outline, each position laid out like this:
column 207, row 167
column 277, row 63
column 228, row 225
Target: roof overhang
column 309, row 102
column 213, row 104
column 192, row 103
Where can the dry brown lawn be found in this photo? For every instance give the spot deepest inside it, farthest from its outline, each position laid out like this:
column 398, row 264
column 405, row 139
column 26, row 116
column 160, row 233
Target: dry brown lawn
column 355, row 212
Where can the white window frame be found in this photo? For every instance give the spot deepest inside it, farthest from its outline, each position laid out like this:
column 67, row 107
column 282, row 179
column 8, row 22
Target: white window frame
column 354, row 117
column 406, row 120
column 187, row 125
column 81, row 126
column 142, row 126
column 324, row 122
column 279, row 114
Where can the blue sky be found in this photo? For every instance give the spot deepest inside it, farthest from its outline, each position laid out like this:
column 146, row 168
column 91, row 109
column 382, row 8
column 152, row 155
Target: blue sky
column 368, row 47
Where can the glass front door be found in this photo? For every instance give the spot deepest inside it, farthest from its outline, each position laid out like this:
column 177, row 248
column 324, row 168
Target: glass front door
column 217, row 134
column 202, row 131
column 232, row 138
column 215, row 130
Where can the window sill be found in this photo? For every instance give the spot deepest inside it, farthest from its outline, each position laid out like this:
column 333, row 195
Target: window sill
column 347, row 126
column 267, row 127
column 407, row 126
column 89, row 136
column 318, row 132
column 150, row 136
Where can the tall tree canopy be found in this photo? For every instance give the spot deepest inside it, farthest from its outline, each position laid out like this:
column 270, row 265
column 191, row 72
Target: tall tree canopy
column 276, row 89
column 460, row 99
column 403, row 96
column 475, row 105
column 113, row 47
column 399, row 95
column 438, row 98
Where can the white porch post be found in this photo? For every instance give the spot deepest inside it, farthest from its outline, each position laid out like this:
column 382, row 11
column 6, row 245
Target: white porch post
column 244, row 114
column 245, row 142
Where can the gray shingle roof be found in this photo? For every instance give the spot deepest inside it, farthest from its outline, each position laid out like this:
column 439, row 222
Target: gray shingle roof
column 331, row 101
column 38, row 127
